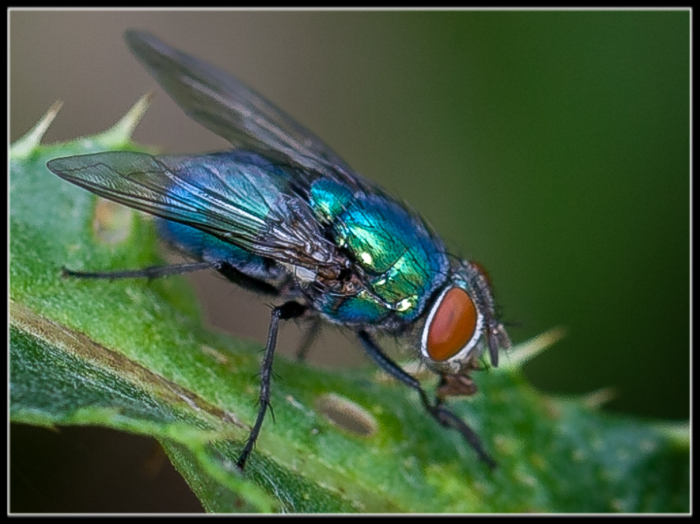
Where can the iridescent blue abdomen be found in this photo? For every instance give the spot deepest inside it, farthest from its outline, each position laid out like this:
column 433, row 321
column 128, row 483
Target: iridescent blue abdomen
column 249, row 188
column 205, row 247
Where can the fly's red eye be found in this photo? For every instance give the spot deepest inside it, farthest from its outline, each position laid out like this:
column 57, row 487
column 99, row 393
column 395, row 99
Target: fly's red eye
column 452, row 325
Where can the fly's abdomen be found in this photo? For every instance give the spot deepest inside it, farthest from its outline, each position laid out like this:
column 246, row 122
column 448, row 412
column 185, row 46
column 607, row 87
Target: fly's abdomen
column 238, row 207
column 402, row 261
column 242, row 187
column 205, row 247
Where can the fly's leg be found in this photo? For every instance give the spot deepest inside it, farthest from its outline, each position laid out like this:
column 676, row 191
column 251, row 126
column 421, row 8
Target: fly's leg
column 286, row 311
column 147, row 272
column 309, row 337
column 227, row 270
column 443, row 416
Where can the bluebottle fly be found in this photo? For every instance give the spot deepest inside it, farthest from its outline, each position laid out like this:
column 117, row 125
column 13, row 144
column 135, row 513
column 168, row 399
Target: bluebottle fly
column 284, row 215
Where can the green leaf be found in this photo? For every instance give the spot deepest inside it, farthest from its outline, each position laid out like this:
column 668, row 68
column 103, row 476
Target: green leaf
column 133, row 356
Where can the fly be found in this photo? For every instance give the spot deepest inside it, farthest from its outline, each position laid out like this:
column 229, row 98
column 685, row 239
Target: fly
column 284, row 215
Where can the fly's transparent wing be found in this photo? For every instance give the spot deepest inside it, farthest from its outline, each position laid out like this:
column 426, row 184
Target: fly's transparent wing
column 230, row 109
column 237, row 202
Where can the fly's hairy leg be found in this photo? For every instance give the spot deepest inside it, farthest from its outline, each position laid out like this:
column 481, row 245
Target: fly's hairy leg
column 286, row 311
column 227, row 270
column 147, row 272
column 442, row 415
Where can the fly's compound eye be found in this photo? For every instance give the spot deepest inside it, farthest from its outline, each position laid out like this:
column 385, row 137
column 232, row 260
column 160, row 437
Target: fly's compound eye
column 453, row 326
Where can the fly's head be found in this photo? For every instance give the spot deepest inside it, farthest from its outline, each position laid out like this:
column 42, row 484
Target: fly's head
column 461, row 323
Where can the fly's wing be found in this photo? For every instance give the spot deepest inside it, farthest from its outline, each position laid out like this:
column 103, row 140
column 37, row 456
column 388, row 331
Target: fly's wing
column 239, row 204
column 232, row 110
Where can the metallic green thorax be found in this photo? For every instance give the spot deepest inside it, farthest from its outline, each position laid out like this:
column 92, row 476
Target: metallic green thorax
column 404, row 261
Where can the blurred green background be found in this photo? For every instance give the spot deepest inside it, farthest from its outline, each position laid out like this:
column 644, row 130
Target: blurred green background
column 552, row 147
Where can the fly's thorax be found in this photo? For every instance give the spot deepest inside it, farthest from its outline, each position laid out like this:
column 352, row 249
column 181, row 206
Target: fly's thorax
column 397, row 261
column 461, row 322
